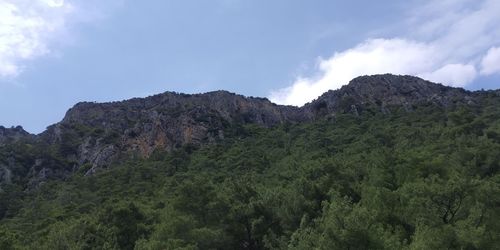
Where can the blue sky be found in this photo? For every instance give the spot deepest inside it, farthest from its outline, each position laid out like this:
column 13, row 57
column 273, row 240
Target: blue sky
column 55, row 53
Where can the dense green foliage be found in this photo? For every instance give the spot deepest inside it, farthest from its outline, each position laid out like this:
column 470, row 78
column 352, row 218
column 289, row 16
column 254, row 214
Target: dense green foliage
column 426, row 179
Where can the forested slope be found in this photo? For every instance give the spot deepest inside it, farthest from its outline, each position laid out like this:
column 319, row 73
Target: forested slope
column 425, row 178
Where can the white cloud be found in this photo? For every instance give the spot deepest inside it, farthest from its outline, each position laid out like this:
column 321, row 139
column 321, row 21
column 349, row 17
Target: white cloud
column 456, row 75
column 26, row 29
column 491, row 62
column 31, row 28
column 446, row 42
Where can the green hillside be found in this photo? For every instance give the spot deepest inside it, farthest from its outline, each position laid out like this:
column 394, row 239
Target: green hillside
column 425, row 179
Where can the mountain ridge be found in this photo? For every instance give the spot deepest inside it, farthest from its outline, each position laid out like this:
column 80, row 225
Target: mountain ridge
column 92, row 136
column 355, row 84
column 387, row 162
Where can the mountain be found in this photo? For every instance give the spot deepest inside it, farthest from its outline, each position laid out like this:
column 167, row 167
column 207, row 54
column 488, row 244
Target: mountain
column 385, row 162
column 383, row 92
column 94, row 135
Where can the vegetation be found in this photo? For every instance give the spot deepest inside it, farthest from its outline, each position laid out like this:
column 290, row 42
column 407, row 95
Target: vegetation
column 426, row 179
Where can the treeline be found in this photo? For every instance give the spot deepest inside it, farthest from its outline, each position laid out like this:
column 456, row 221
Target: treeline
column 426, row 179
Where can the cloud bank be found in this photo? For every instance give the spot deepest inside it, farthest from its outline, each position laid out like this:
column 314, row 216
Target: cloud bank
column 451, row 42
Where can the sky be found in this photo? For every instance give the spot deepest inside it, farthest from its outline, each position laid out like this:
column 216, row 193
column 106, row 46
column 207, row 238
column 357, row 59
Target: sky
column 55, row 53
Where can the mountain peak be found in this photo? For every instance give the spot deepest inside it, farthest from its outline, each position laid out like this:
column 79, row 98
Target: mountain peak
column 389, row 79
column 388, row 90
column 397, row 84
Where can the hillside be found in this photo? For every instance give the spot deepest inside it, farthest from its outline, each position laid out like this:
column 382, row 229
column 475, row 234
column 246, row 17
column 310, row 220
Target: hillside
column 385, row 162
column 94, row 135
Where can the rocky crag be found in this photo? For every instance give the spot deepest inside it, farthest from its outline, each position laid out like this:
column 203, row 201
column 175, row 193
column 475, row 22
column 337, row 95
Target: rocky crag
column 14, row 134
column 94, row 135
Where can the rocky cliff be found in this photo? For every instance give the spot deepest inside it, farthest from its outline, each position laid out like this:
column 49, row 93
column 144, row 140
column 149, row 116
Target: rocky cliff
column 14, row 134
column 161, row 122
column 386, row 92
column 93, row 135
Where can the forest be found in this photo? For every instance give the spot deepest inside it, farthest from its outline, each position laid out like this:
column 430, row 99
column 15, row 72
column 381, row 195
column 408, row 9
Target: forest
column 425, row 179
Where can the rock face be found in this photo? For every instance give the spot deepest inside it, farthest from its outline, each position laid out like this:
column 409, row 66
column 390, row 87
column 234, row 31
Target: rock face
column 93, row 135
column 386, row 91
column 161, row 122
column 13, row 134
column 9, row 165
